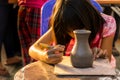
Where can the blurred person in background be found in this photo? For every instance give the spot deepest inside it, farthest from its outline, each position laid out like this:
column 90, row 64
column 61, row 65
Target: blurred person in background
column 28, row 25
column 8, row 35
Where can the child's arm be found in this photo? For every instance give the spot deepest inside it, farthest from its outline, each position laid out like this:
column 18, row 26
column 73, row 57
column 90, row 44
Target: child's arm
column 42, row 50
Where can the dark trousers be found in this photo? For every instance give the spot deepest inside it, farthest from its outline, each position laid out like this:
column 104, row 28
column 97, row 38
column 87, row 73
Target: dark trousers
column 117, row 18
column 8, row 30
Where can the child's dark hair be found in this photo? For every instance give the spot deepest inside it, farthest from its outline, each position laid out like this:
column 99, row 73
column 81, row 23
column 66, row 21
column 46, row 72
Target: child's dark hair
column 69, row 15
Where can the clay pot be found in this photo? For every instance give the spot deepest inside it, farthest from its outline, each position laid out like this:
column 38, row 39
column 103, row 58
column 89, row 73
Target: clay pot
column 81, row 54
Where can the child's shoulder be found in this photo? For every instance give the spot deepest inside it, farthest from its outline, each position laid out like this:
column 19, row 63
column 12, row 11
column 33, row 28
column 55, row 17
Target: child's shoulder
column 109, row 27
column 108, row 18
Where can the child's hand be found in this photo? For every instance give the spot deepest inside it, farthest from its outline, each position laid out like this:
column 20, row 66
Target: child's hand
column 99, row 53
column 54, row 55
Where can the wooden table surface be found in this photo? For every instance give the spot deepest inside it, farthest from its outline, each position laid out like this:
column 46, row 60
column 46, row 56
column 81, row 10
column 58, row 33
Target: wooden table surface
column 108, row 1
column 42, row 71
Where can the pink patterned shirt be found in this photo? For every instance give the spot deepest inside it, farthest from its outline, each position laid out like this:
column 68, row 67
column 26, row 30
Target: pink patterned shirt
column 32, row 3
column 109, row 29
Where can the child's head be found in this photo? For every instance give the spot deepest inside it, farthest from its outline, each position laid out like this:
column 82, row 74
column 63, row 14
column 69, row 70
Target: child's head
column 69, row 15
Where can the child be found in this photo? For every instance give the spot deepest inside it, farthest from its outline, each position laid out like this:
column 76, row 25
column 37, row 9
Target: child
column 67, row 16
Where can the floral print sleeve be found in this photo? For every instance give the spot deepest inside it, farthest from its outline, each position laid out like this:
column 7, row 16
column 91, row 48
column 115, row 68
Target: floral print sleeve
column 109, row 29
column 110, row 25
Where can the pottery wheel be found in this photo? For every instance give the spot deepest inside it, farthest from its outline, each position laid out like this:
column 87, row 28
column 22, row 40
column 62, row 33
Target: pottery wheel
column 100, row 67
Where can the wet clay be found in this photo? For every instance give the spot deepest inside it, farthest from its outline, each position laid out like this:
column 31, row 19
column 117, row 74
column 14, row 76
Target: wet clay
column 81, row 54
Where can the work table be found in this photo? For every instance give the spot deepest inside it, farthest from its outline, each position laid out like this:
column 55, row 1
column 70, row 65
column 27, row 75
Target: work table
column 43, row 71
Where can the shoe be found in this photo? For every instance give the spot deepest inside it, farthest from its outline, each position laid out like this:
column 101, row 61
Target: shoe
column 13, row 60
column 3, row 70
column 115, row 52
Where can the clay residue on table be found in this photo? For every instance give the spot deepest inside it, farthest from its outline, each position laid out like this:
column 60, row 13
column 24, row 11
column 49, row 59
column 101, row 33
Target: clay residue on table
column 35, row 72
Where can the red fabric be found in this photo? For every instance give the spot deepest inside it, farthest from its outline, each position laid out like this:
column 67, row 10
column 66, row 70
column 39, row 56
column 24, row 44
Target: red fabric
column 28, row 29
column 69, row 47
column 31, row 3
column 72, row 41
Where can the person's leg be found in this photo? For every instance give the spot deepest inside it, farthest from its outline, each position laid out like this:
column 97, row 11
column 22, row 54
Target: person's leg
column 3, row 24
column 23, row 33
column 10, row 38
column 8, row 35
column 11, row 32
column 29, row 30
column 16, row 40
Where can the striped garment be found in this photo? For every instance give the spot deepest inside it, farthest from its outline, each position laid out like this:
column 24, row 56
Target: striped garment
column 28, row 29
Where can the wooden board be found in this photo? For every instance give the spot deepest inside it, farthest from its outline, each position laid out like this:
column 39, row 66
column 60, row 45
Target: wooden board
column 100, row 67
column 108, row 1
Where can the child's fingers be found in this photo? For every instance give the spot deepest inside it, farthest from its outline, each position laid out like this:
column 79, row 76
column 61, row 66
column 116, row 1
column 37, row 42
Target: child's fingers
column 55, row 55
column 102, row 54
column 95, row 52
column 59, row 47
